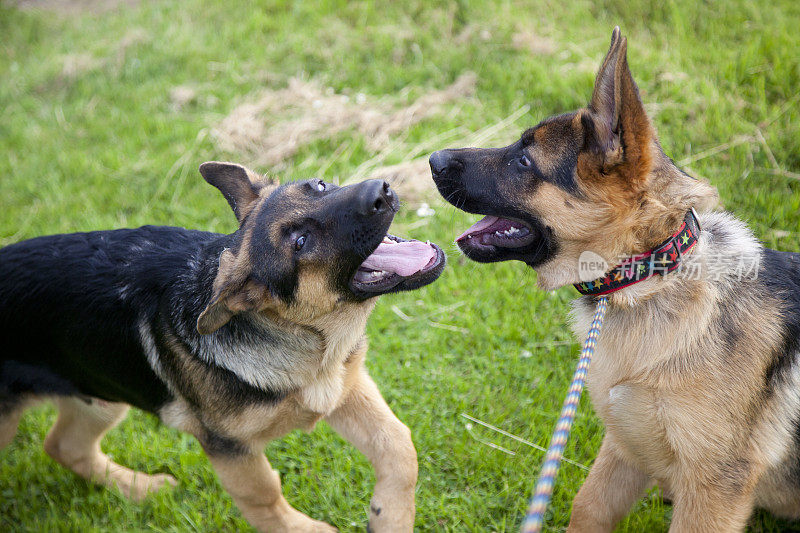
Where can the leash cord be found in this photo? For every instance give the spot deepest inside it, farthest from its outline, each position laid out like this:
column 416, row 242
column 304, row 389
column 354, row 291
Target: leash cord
column 534, row 517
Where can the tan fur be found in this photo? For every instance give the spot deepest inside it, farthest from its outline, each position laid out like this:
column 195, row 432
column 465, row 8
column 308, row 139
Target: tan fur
column 626, row 203
column 364, row 419
column 328, row 380
column 679, row 409
column 256, row 489
column 612, row 221
column 354, row 408
column 682, row 406
column 230, row 295
column 689, row 374
column 305, row 354
column 336, row 387
column 74, row 442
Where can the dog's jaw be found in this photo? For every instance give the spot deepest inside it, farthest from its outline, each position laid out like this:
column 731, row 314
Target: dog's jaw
column 557, row 272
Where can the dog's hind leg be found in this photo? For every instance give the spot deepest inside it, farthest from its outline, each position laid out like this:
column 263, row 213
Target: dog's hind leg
column 256, row 489
column 74, row 442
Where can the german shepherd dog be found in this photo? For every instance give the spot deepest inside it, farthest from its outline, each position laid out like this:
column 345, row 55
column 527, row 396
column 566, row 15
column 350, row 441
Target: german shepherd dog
column 236, row 339
column 696, row 373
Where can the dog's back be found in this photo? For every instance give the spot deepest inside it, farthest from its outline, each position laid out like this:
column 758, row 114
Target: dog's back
column 781, row 275
column 70, row 305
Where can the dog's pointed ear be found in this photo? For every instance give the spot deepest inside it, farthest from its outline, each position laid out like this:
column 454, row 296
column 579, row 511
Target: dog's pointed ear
column 618, row 115
column 240, row 186
column 233, row 292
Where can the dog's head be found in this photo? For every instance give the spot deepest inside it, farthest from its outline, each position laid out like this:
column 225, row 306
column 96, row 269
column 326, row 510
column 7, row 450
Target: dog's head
column 595, row 179
column 305, row 247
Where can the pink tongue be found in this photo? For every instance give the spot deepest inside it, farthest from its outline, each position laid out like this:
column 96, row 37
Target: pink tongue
column 403, row 258
column 480, row 225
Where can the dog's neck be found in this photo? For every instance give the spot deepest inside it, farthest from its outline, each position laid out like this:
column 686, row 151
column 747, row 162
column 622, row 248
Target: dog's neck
column 660, row 206
column 630, row 224
column 267, row 350
column 662, row 260
column 726, row 253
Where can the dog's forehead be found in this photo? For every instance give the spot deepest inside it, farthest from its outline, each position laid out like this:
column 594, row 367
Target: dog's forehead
column 287, row 195
column 553, row 130
column 287, row 209
column 284, row 205
column 553, row 147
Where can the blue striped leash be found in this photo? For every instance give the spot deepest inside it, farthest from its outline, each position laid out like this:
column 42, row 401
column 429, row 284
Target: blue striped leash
column 534, row 518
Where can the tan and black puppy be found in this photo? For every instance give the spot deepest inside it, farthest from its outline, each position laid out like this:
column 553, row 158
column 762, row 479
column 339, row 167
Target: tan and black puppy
column 236, row 339
column 696, row 374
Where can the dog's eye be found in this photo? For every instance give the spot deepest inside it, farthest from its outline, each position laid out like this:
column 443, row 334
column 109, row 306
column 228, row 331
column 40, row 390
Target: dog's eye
column 524, row 161
column 298, row 244
column 320, row 185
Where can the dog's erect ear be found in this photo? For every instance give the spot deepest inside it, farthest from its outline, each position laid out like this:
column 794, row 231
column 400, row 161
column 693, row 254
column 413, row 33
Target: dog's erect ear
column 617, row 112
column 240, row 186
column 233, row 292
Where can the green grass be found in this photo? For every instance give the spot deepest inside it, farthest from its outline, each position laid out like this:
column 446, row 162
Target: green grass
column 104, row 148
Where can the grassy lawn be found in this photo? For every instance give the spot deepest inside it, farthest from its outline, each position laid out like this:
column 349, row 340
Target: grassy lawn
column 106, row 112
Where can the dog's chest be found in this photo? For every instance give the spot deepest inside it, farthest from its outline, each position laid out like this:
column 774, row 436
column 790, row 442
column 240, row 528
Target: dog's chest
column 327, row 387
column 626, row 403
column 310, row 369
column 276, row 357
column 608, row 366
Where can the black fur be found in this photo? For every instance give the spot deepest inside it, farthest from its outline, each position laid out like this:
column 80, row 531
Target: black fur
column 281, row 274
column 113, row 314
column 780, row 273
column 214, row 386
column 563, row 174
column 219, row 445
column 491, row 181
column 71, row 305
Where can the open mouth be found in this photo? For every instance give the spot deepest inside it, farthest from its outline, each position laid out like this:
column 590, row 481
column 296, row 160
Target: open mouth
column 495, row 238
column 396, row 265
column 497, row 232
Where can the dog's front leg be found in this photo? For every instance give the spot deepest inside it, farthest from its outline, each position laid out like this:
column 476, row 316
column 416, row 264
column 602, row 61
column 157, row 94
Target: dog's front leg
column 611, row 488
column 365, row 420
column 718, row 505
column 256, row 489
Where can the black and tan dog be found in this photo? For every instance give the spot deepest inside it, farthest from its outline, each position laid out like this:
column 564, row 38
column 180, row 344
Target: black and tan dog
column 696, row 374
column 236, row 339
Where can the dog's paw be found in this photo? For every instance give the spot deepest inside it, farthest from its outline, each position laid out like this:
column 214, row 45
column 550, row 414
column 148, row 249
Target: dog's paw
column 138, row 485
column 300, row 522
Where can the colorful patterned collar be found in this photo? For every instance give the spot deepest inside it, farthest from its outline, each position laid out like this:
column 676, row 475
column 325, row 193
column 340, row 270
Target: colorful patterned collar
column 661, row 260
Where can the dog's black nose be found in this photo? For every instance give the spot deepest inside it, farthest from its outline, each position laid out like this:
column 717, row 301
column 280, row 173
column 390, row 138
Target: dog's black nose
column 440, row 161
column 377, row 197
